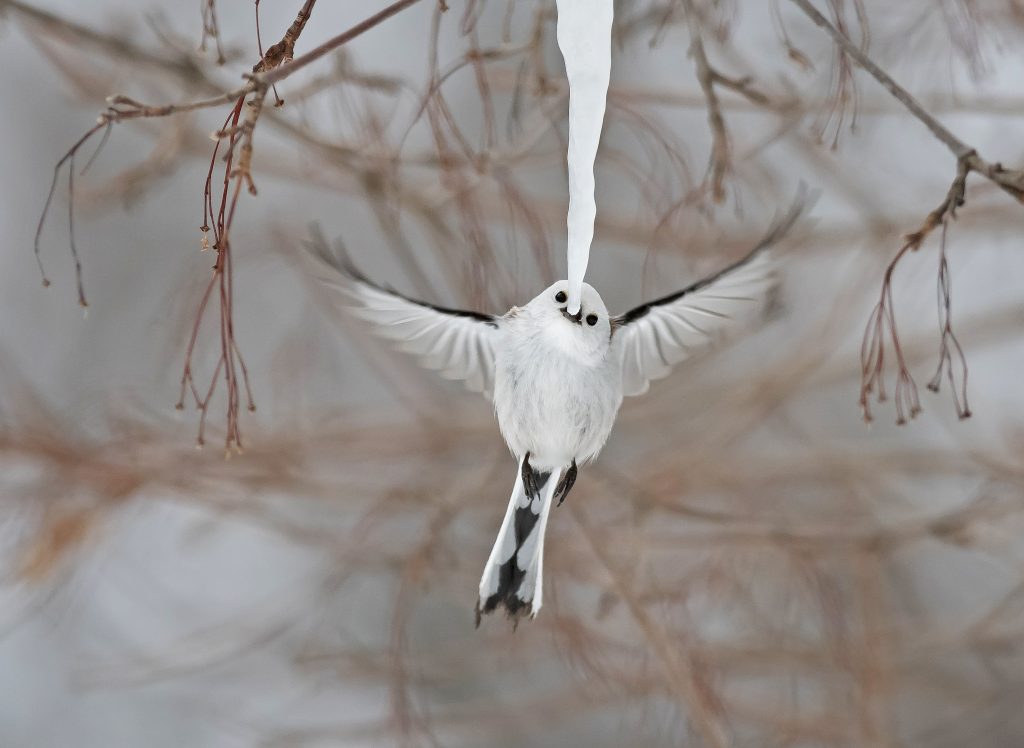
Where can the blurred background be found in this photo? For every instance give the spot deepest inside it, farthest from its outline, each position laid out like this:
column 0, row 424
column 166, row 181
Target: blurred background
column 747, row 564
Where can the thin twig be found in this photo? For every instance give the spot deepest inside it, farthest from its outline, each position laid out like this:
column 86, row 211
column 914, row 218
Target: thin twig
column 1010, row 181
column 211, row 30
column 278, row 63
column 882, row 322
column 682, row 668
column 720, row 146
column 720, row 161
column 949, row 346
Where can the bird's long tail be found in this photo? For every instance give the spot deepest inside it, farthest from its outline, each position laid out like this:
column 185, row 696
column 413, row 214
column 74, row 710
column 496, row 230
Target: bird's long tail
column 513, row 577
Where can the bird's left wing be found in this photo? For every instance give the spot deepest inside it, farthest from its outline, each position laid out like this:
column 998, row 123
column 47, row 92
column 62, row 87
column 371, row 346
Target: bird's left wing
column 458, row 344
column 654, row 337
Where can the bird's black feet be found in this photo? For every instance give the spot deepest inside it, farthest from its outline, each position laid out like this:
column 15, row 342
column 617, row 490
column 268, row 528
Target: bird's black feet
column 530, row 476
column 565, row 485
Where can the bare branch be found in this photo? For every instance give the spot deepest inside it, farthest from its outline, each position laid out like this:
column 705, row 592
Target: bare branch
column 211, row 30
column 708, row 77
column 280, row 73
column 882, row 323
column 283, row 52
column 1010, row 181
column 720, row 146
column 742, row 584
column 274, row 66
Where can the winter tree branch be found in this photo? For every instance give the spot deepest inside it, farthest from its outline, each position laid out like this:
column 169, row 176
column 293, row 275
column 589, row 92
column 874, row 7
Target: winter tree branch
column 882, row 323
column 276, row 64
column 1010, row 181
column 708, row 78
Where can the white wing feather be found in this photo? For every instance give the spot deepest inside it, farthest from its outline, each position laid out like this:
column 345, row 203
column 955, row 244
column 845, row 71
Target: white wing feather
column 457, row 344
column 656, row 336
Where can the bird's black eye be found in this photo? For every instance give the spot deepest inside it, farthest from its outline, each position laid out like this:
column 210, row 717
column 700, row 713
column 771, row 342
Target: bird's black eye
column 591, row 319
column 560, row 297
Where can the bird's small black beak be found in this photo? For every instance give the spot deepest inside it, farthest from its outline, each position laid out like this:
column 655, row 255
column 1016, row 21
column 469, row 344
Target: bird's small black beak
column 577, row 318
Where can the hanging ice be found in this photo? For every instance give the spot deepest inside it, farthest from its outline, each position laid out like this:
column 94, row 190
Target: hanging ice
column 584, row 36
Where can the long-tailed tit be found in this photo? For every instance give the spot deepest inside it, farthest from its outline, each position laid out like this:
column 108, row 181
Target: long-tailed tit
column 556, row 379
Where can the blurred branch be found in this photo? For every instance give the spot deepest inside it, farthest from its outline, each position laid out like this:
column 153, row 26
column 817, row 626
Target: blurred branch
column 708, row 77
column 1010, row 181
column 211, row 30
column 745, row 573
column 62, row 27
column 687, row 678
column 719, row 160
column 882, row 322
column 969, row 102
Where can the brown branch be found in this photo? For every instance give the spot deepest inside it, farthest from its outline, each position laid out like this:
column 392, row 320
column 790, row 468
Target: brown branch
column 274, row 66
column 256, row 81
column 720, row 145
column 239, row 132
column 211, row 30
column 872, row 354
column 67, row 158
column 953, row 200
column 708, row 77
column 882, row 322
column 1010, row 181
column 683, row 669
column 742, row 87
column 949, row 346
column 883, row 315
column 280, row 73
column 284, row 51
column 844, row 95
column 185, row 67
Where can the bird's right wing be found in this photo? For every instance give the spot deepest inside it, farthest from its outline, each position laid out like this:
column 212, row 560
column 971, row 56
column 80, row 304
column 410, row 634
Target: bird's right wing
column 654, row 337
column 458, row 344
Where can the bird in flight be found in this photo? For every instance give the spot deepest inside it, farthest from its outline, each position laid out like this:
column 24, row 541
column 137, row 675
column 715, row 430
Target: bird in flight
column 556, row 379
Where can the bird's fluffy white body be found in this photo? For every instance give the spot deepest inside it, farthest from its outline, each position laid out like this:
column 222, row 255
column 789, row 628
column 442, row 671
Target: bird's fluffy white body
column 556, row 379
column 557, row 383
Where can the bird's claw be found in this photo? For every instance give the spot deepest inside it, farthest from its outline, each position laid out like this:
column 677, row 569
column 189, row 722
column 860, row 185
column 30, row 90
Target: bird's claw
column 565, row 485
column 529, row 479
column 561, row 490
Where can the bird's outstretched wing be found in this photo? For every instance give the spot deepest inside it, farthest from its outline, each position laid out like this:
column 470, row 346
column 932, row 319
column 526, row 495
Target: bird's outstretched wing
column 654, row 337
column 458, row 344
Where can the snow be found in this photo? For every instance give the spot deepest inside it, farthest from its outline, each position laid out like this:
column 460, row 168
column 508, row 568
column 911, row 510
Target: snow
column 584, row 36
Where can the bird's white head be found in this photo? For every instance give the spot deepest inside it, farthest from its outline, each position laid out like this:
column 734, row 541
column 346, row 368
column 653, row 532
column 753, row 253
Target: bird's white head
column 586, row 334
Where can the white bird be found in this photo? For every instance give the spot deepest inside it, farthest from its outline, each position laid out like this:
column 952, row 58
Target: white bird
column 556, row 379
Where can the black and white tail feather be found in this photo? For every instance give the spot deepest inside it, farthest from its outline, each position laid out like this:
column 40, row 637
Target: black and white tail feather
column 513, row 578
column 541, row 343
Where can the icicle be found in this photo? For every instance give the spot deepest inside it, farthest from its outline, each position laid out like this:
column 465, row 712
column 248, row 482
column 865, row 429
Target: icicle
column 585, row 38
